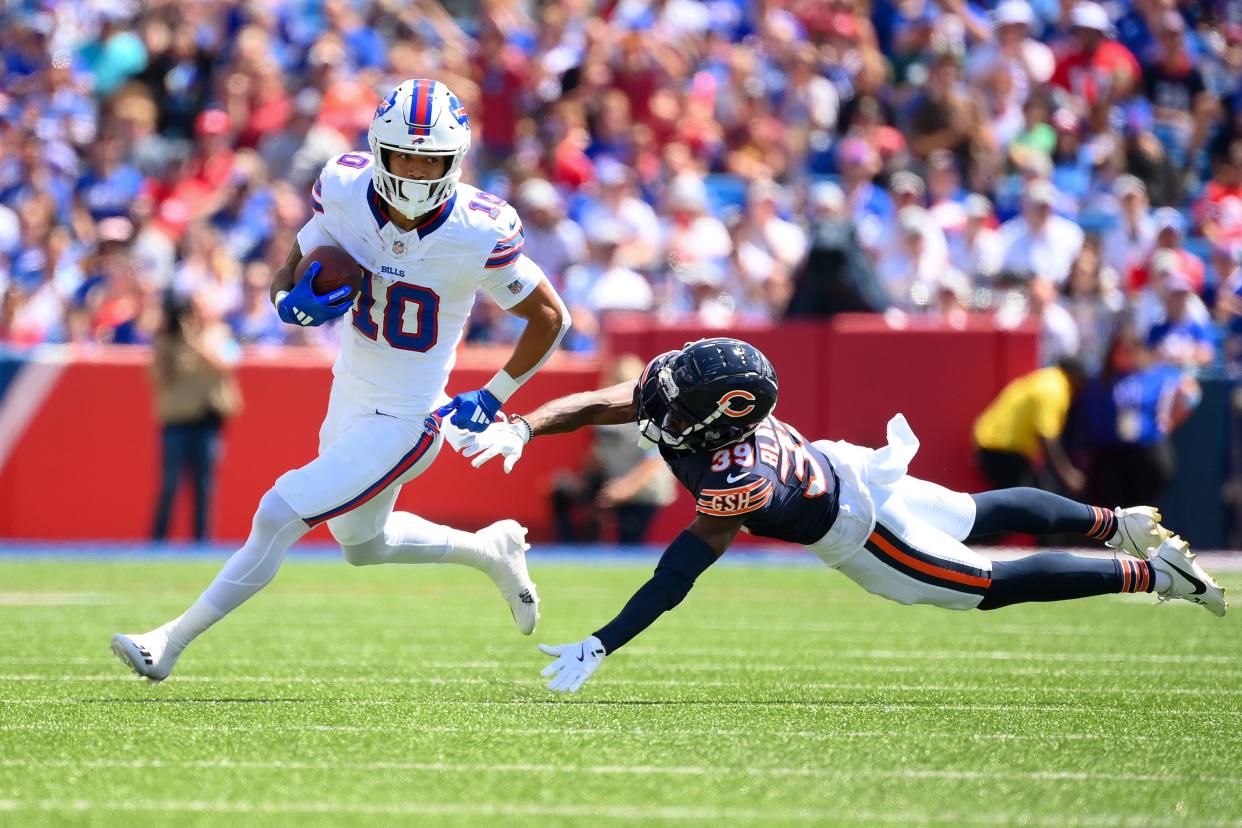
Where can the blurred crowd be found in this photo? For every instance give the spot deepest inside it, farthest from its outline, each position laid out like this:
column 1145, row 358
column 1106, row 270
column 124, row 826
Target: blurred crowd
column 1073, row 163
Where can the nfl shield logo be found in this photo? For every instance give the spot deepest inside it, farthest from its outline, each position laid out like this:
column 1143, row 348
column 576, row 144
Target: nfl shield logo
column 515, row 287
column 398, row 248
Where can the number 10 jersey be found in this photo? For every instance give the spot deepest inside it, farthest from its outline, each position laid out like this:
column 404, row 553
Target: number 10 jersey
column 420, row 285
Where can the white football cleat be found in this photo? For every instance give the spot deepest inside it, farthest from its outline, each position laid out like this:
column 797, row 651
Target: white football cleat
column 147, row 654
column 1138, row 531
column 506, row 545
column 1190, row 582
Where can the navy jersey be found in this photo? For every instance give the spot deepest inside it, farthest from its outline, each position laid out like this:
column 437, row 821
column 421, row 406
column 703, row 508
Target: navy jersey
column 783, row 486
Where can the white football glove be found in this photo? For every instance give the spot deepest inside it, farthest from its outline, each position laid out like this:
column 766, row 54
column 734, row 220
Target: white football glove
column 574, row 663
column 500, row 440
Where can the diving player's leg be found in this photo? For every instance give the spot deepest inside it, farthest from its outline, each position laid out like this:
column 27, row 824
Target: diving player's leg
column 912, row 562
column 1029, row 511
column 276, row 527
column 1133, row 530
column 372, row 533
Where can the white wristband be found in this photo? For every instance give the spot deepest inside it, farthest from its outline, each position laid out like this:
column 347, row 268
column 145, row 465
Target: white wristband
column 502, row 386
column 280, row 297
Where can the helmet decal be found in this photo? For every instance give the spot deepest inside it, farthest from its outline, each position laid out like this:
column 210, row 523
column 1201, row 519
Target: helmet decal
column 458, row 111
column 386, row 104
column 726, row 403
column 421, row 97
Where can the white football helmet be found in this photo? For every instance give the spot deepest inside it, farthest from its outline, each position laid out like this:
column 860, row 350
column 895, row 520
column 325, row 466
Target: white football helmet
column 420, row 116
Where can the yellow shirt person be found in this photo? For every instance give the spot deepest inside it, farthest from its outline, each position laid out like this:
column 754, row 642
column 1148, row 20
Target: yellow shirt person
column 1024, row 423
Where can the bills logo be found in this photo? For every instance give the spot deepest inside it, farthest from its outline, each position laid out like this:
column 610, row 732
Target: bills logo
column 458, row 111
column 386, row 104
column 726, row 403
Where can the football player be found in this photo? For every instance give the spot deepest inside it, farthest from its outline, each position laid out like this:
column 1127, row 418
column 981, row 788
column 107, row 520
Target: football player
column 428, row 243
column 709, row 409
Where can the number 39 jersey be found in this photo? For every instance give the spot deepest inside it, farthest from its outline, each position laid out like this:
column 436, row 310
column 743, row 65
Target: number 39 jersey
column 402, row 333
column 781, row 485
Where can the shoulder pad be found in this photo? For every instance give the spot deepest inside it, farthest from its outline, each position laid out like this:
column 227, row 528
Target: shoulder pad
column 338, row 175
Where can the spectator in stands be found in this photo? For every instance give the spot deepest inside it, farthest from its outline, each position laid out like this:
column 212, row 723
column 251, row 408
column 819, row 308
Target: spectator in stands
column 1095, row 305
column 1039, row 242
column 298, row 151
column 553, row 241
column 621, row 483
column 911, row 275
column 1170, row 232
column 1127, row 244
column 617, row 206
column 1219, row 211
column 1024, row 60
column 1150, row 305
column 1024, row 423
column 977, row 249
column 1095, row 68
column 1181, row 339
column 602, row 285
column 195, row 392
column 1182, row 106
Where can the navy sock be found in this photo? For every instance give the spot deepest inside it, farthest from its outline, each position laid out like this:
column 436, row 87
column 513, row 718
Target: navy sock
column 1036, row 512
column 1060, row 576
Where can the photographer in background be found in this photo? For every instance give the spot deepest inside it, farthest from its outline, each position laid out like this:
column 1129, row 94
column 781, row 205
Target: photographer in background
column 195, row 392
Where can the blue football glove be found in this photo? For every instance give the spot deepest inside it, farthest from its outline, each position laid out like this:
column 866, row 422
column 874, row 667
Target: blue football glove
column 475, row 410
column 302, row 306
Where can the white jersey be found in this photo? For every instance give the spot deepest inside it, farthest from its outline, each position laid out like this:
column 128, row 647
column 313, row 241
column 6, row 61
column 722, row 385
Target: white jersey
column 411, row 312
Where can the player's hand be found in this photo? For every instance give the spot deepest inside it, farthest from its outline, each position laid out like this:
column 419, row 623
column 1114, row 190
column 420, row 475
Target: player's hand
column 302, row 306
column 574, row 663
column 501, row 440
column 472, row 411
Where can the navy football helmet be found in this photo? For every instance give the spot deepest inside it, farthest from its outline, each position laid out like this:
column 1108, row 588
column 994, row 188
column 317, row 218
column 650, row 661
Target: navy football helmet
column 711, row 393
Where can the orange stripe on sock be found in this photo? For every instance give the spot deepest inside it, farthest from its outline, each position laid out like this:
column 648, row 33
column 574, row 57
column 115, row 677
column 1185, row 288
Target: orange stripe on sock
column 926, row 568
column 1125, row 576
column 1144, row 576
column 1091, row 532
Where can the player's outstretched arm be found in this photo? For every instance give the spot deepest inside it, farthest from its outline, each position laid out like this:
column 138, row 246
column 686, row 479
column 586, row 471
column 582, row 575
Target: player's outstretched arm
column 547, row 320
column 686, row 558
column 608, row 406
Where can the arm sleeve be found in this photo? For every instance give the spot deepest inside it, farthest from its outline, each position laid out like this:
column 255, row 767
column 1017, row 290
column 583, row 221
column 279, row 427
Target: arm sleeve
column 686, row 558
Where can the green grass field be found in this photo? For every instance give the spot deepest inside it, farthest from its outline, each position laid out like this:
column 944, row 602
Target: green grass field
column 773, row 696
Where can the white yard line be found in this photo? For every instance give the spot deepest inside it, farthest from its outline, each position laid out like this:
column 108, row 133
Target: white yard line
column 622, row 770
column 826, row 735
column 549, row 699
column 518, row 682
column 630, row 812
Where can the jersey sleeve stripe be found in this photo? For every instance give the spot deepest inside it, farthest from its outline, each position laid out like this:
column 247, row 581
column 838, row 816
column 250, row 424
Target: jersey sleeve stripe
column 758, row 484
column 315, row 205
column 506, row 258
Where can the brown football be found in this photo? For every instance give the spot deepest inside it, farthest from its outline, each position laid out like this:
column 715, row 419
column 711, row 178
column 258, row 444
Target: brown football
column 336, row 268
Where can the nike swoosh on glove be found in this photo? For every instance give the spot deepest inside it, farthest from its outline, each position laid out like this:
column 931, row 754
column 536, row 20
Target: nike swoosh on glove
column 474, row 410
column 574, row 663
column 501, row 440
column 302, row 306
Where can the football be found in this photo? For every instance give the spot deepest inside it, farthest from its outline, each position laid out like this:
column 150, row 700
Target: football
column 336, row 268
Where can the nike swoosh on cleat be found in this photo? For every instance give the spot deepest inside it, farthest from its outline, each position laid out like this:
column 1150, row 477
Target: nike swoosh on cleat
column 1200, row 587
